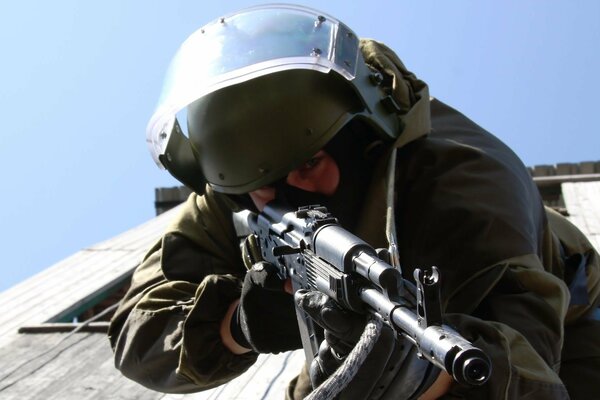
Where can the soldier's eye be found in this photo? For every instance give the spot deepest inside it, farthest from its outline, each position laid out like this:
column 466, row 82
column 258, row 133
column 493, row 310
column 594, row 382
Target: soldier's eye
column 311, row 163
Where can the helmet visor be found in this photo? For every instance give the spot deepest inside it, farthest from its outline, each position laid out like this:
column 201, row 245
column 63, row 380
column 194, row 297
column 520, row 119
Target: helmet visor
column 246, row 45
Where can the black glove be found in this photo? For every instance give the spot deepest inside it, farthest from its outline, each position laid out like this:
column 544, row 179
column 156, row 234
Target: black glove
column 391, row 370
column 265, row 320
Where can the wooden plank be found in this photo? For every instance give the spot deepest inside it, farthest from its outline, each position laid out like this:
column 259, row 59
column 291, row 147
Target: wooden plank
column 81, row 367
column 583, row 202
column 74, row 370
column 588, row 167
column 40, row 305
column 97, row 327
column 567, row 169
column 46, row 366
column 544, row 170
column 125, row 389
column 267, row 379
column 542, row 181
column 97, row 378
column 21, row 349
column 76, row 278
column 287, row 370
column 122, row 388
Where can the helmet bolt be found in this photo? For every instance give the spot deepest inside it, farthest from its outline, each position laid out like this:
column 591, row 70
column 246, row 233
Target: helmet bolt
column 376, row 78
column 309, row 131
column 316, row 52
column 263, row 170
column 221, row 176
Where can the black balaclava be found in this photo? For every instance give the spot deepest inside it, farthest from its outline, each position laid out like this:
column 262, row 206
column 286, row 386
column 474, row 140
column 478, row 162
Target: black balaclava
column 355, row 149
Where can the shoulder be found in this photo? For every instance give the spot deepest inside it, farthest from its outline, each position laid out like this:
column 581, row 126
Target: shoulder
column 464, row 198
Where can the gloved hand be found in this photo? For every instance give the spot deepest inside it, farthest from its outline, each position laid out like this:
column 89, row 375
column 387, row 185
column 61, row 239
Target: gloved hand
column 390, row 370
column 265, row 319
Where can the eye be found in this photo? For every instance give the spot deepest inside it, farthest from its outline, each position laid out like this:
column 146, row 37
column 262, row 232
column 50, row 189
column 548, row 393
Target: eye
column 310, row 164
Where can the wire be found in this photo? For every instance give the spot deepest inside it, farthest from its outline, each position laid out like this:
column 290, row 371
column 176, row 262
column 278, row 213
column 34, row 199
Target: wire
column 390, row 219
column 54, row 347
column 346, row 372
column 283, row 367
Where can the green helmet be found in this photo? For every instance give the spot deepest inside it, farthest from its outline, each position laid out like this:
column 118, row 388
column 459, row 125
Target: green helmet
column 264, row 89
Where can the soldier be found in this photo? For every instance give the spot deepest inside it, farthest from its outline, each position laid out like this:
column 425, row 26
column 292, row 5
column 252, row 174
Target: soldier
column 283, row 101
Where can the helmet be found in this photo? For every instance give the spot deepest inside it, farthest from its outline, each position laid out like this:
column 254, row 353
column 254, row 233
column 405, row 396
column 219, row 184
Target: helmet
column 264, row 89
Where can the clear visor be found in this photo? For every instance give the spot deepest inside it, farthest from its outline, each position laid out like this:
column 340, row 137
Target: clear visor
column 248, row 44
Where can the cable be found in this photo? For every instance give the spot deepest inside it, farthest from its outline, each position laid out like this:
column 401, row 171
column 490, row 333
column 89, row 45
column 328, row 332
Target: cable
column 346, row 372
column 74, row 331
column 390, row 220
column 283, row 367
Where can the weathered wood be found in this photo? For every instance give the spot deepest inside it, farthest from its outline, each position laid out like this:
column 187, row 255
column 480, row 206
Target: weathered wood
column 567, row 169
column 589, row 167
column 96, row 377
column 80, row 366
column 544, row 170
column 62, row 378
column 72, row 281
column 50, row 367
column 541, row 181
column 586, row 167
column 22, row 348
column 583, row 202
column 44, row 366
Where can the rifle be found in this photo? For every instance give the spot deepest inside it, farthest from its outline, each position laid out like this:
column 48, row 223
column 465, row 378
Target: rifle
column 311, row 248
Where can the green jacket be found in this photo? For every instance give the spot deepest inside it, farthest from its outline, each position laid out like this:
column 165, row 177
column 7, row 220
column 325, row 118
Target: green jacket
column 465, row 203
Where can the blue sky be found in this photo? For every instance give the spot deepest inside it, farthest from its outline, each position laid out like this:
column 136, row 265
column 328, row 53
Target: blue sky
column 79, row 80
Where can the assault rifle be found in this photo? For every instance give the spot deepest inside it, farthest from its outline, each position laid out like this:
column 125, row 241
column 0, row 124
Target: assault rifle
column 311, row 248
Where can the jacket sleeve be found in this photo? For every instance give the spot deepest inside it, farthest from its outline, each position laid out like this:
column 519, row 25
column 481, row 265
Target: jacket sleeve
column 165, row 333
